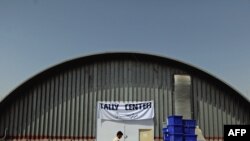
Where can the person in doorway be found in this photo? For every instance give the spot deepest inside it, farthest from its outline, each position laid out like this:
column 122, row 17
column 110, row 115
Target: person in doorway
column 119, row 135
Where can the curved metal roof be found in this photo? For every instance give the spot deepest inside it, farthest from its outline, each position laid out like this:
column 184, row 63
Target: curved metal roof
column 118, row 55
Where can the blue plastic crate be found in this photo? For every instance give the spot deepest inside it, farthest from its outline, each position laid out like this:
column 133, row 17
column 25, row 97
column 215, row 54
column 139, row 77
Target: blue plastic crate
column 175, row 137
column 189, row 130
column 165, row 130
column 189, row 123
column 175, row 129
column 190, row 137
column 166, row 137
column 175, row 120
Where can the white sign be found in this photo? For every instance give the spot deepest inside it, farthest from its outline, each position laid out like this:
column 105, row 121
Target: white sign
column 126, row 111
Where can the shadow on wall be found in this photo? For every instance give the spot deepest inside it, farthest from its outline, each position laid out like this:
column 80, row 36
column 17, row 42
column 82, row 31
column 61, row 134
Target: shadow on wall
column 4, row 136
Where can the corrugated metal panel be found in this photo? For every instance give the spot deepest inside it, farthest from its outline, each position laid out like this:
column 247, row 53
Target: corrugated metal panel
column 214, row 108
column 63, row 105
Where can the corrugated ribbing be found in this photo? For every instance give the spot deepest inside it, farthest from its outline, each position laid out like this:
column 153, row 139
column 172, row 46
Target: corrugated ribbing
column 64, row 105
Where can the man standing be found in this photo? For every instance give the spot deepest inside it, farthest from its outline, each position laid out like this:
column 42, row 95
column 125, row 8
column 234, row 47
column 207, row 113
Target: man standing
column 119, row 135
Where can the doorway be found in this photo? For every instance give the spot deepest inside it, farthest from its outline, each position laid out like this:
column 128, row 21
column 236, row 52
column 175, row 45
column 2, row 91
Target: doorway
column 145, row 135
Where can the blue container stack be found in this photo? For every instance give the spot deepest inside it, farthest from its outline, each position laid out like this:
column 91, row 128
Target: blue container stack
column 179, row 129
column 189, row 130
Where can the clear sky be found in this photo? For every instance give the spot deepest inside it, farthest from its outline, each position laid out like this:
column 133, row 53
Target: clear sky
column 213, row 35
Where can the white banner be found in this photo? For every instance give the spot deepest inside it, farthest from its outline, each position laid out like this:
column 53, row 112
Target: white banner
column 126, row 111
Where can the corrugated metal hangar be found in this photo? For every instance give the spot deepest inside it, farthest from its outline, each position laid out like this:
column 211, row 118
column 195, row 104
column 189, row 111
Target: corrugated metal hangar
column 60, row 103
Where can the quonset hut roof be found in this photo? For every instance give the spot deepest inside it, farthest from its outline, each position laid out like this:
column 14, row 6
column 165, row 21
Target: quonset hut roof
column 192, row 70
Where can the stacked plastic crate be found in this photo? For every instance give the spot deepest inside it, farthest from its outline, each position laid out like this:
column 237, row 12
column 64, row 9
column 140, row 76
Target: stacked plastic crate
column 178, row 129
column 189, row 130
column 174, row 129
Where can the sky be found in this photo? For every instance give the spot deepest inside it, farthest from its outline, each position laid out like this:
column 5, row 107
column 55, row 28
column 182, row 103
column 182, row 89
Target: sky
column 213, row 35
